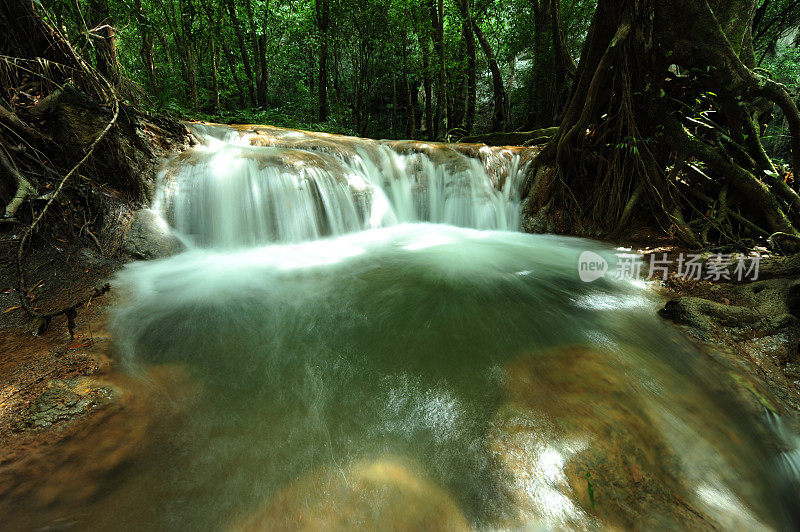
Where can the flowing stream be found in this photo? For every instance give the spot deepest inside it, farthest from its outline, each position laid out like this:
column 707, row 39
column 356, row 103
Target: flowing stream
column 372, row 344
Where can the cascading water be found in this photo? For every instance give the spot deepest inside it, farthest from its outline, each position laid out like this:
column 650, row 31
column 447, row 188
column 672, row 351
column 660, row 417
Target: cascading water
column 229, row 193
column 355, row 366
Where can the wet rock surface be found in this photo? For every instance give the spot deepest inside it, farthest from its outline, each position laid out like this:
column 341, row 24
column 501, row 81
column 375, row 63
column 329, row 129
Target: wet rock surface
column 388, row 493
column 581, row 452
column 63, row 399
column 149, row 237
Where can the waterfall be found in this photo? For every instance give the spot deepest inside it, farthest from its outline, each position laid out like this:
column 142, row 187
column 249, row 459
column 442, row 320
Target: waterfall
column 244, row 188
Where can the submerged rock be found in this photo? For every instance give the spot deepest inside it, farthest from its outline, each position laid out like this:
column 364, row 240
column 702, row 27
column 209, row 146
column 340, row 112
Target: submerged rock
column 581, row 449
column 382, row 494
column 149, row 237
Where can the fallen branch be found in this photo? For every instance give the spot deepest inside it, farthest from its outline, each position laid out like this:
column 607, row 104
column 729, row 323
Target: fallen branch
column 519, row 138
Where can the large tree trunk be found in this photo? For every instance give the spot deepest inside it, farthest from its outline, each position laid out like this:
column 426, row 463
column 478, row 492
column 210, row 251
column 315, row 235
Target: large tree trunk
column 565, row 64
column 552, row 64
column 631, row 133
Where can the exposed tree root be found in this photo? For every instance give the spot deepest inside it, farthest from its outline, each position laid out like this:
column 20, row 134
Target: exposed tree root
column 764, row 308
column 43, row 320
column 24, row 189
column 763, row 201
column 628, row 122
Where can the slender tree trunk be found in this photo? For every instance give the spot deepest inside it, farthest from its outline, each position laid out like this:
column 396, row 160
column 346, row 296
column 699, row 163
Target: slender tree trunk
column 104, row 35
column 471, row 70
column 424, row 44
column 213, row 22
column 248, row 71
column 336, row 84
column 323, row 12
column 500, row 116
column 259, row 61
column 146, row 49
column 189, row 51
column 261, row 48
column 436, row 10
column 180, row 24
column 214, row 75
column 394, row 106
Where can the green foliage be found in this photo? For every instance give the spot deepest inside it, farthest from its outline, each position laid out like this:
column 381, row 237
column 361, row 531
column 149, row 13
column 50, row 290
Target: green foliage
column 774, row 22
column 783, row 67
column 590, row 488
column 377, row 50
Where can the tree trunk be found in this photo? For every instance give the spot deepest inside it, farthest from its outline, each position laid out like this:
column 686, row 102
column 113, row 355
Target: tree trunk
column 565, row 64
column 631, row 124
column 258, row 45
column 437, row 22
column 394, row 106
column 410, row 118
column 214, row 75
column 213, row 21
column 552, row 64
column 189, row 51
column 146, row 49
column 500, row 116
column 424, row 44
column 248, row 71
column 471, row 71
column 104, row 34
column 323, row 12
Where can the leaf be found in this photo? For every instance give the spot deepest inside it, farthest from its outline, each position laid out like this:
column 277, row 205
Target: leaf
column 590, row 488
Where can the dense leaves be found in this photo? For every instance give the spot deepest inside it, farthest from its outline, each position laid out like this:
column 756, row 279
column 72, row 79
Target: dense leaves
column 260, row 60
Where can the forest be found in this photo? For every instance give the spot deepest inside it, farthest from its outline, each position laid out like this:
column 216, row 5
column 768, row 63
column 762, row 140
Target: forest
column 437, row 70
column 400, row 264
column 427, row 70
